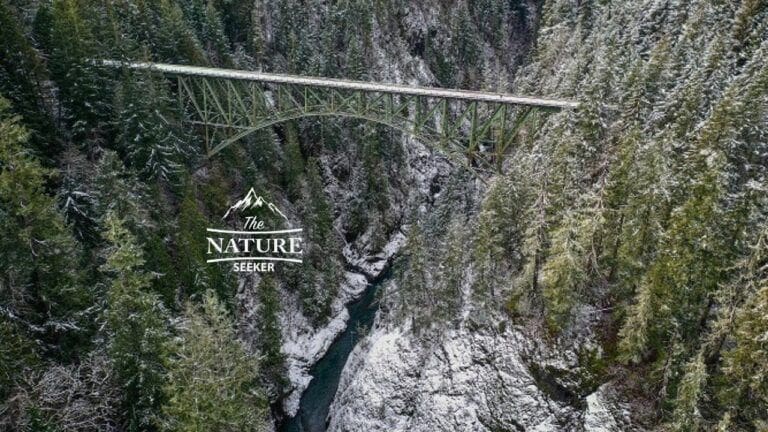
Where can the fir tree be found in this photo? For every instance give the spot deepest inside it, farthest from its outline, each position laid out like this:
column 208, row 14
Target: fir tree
column 40, row 283
column 498, row 237
column 416, row 296
column 270, row 336
column 22, row 74
column 195, row 275
column 148, row 128
column 210, row 376
column 118, row 190
column 81, row 86
column 320, row 216
column 744, row 365
column 136, row 324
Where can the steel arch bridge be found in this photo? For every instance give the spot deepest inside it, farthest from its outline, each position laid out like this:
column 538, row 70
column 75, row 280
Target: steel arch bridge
column 470, row 126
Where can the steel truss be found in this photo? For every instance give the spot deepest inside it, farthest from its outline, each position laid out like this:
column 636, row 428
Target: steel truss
column 477, row 128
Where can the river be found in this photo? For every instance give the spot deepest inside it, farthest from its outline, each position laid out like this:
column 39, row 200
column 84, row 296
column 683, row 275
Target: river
column 326, row 373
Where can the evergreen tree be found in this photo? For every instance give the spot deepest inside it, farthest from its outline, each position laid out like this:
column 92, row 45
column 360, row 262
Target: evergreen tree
column 118, row 190
column 466, row 45
column 564, row 273
column 687, row 416
column 81, row 86
column 39, row 281
column 78, row 206
column 191, row 246
column 270, row 336
column 294, row 161
column 136, row 324
column 195, row 275
column 498, row 237
column 744, row 365
column 451, row 273
column 320, row 216
column 17, row 356
column 417, row 300
column 177, row 42
column 256, row 36
column 148, row 128
column 211, row 377
column 22, row 73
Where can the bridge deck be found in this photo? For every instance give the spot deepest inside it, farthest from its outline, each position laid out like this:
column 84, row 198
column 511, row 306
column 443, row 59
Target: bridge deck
column 434, row 92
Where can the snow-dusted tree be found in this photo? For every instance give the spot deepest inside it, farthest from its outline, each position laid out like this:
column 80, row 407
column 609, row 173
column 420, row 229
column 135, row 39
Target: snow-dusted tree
column 195, row 275
column 22, row 73
column 416, row 295
column 149, row 133
column 571, row 260
column 745, row 365
column 81, row 86
column 687, row 414
column 319, row 215
column 498, row 238
column 118, row 190
column 39, row 281
column 205, row 20
column 451, row 272
column 270, row 338
column 136, row 326
column 76, row 200
column 211, row 378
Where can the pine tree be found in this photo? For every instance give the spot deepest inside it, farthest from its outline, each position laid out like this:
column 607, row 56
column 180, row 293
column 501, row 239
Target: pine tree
column 214, row 37
column 177, row 43
column 498, row 237
column 563, row 273
column 211, row 377
column 17, row 355
column 270, row 336
column 256, row 36
column 39, row 282
column 451, row 273
column 320, row 216
column 191, row 245
column 82, row 87
column 195, row 275
column 149, row 135
column 687, row 415
column 205, row 20
column 466, row 45
column 136, row 323
column 744, row 365
column 78, row 206
column 417, row 300
column 118, row 190
column 22, row 73
column 294, row 161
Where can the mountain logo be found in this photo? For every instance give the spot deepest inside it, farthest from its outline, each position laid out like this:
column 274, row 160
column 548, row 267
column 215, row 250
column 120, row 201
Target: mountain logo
column 266, row 238
column 253, row 201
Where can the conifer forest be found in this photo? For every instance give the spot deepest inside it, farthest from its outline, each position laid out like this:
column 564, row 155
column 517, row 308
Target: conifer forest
column 609, row 273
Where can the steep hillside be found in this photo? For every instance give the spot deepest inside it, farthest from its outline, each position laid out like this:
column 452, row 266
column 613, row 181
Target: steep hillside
column 637, row 223
column 613, row 276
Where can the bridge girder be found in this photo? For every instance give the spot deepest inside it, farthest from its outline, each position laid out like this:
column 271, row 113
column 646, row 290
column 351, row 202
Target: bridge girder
column 478, row 128
column 480, row 133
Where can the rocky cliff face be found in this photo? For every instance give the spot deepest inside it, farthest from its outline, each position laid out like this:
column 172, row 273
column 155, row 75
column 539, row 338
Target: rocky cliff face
column 465, row 379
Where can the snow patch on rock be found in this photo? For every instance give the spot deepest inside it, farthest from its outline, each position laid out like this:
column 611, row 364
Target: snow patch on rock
column 460, row 380
column 303, row 344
